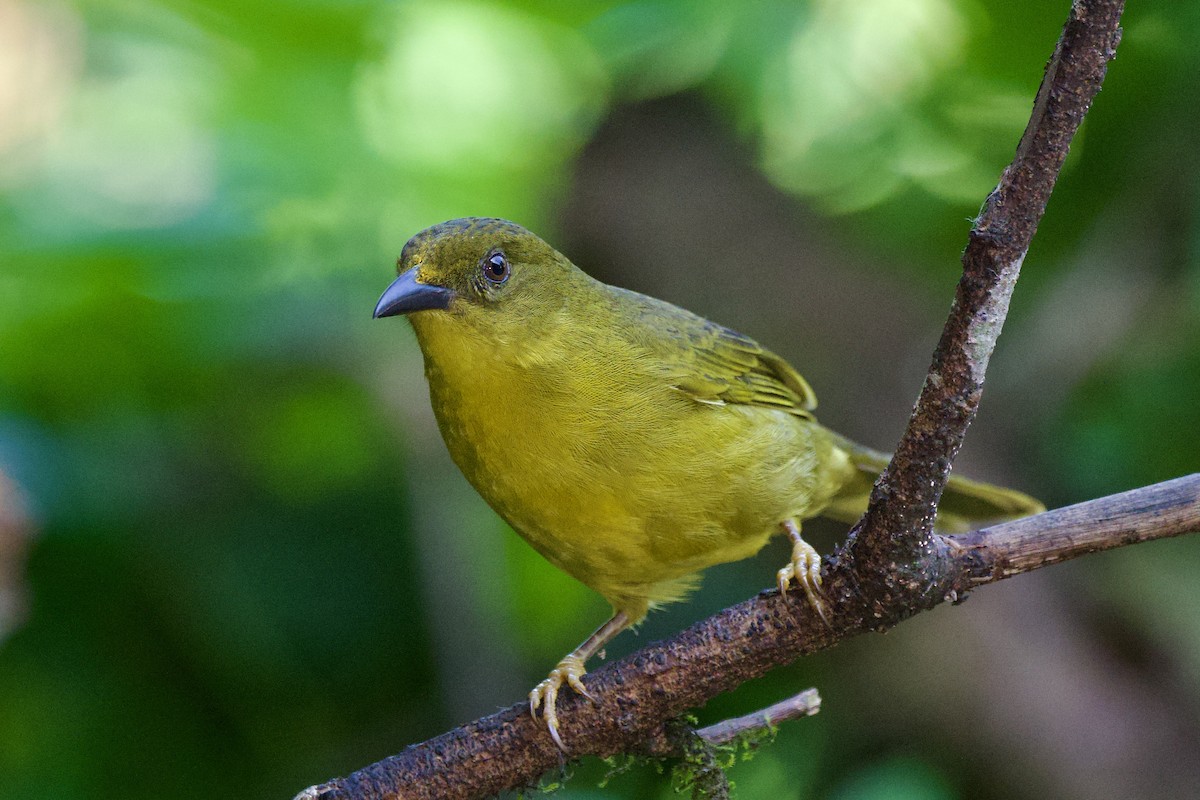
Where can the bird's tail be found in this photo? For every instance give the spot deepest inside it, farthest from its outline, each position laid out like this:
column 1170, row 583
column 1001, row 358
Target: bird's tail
column 965, row 504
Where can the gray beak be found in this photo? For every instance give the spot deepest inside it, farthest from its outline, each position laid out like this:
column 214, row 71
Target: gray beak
column 406, row 295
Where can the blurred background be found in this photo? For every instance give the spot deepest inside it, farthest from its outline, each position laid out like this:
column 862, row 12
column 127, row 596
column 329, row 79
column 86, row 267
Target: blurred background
column 235, row 559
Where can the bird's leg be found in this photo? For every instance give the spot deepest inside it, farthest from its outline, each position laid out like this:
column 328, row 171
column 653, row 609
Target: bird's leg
column 805, row 567
column 570, row 671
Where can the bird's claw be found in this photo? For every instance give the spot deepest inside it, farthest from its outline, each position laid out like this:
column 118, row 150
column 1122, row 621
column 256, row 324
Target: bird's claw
column 805, row 569
column 545, row 695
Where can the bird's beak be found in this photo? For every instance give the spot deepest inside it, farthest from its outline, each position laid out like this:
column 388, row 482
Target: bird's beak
column 406, row 295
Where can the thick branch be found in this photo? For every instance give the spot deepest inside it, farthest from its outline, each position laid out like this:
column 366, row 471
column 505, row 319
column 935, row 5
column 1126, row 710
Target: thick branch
column 665, row 679
column 899, row 522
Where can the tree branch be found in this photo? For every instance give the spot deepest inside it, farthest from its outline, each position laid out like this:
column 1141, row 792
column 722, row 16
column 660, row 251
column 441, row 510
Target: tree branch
column 893, row 565
column 634, row 696
column 16, row 531
column 898, row 525
column 804, row 704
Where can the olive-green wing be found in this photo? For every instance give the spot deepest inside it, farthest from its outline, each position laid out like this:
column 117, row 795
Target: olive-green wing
column 713, row 364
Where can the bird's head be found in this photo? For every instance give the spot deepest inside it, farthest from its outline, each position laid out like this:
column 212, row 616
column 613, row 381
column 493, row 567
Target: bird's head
column 474, row 266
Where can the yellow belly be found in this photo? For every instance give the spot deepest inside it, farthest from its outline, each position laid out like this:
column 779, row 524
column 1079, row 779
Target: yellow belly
column 629, row 491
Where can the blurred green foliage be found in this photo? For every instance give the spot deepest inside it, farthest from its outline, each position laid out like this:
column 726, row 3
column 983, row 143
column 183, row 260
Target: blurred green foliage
column 254, row 568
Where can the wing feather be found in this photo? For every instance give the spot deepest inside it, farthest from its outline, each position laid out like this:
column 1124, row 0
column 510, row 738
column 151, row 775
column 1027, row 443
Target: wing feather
column 715, row 365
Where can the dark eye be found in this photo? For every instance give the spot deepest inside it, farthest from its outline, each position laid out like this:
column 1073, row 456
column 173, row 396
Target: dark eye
column 495, row 267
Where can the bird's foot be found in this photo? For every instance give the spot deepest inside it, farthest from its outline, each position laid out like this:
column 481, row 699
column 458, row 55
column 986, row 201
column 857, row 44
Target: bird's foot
column 805, row 569
column 545, row 695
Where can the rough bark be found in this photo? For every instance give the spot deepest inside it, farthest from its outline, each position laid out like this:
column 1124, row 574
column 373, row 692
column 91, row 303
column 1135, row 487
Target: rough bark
column 898, row 526
column 637, row 695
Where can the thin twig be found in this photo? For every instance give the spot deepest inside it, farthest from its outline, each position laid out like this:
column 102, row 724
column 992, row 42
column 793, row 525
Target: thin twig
column 804, row 704
column 1165, row 509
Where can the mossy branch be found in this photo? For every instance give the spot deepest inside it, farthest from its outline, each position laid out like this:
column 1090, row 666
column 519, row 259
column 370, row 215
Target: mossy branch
column 893, row 565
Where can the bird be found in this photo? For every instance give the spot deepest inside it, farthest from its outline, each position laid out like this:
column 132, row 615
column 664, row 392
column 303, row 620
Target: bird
column 632, row 443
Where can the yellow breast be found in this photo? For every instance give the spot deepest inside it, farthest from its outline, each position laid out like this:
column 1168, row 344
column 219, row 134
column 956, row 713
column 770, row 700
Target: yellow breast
column 614, row 476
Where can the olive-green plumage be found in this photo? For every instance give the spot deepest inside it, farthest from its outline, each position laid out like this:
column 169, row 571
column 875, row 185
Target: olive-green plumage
column 632, row 443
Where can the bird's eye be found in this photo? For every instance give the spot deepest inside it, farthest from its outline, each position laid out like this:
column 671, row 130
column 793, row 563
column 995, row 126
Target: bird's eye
column 495, row 267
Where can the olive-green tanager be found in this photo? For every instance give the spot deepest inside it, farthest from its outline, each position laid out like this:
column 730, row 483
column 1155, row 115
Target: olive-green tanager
column 632, row 443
